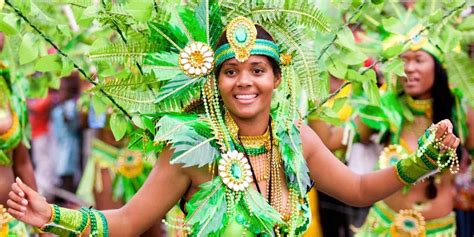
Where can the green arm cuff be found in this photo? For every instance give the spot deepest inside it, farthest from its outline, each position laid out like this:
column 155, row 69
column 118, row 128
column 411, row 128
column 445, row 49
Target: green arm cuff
column 421, row 163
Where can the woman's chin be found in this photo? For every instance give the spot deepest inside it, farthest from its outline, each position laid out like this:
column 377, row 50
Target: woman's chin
column 244, row 113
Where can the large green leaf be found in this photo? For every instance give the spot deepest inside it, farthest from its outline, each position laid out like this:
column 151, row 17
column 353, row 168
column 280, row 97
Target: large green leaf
column 28, row 49
column 8, row 23
column 346, row 39
column 49, row 63
column 139, row 9
column 118, row 125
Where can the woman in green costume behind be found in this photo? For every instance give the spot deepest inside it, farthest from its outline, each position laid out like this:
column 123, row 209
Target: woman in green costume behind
column 253, row 168
column 425, row 209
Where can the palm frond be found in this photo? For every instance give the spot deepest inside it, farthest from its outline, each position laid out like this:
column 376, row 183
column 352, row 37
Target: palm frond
column 130, row 53
column 76, row 3
column 179, row 92
column 134, row 93
column 304, row 58
column 267, row 12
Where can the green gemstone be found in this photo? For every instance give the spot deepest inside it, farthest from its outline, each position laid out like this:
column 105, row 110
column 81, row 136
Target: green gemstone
column 240, row 35
column 235, row 171
column 130, row 158
column 393, row 160
column 410, row 224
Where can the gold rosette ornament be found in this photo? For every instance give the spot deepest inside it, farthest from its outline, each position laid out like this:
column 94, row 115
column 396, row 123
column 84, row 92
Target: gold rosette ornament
column 130, row 164
column 390, row 155
column 408, row 223
column 234, row 169
column 196, row 59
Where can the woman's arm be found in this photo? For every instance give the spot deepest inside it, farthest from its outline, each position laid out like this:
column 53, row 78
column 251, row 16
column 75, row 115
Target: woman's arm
column 22, row 166
column 335, row 179
column 165, row 185
column 363, row 130
column 163, row 188
column 330, row 135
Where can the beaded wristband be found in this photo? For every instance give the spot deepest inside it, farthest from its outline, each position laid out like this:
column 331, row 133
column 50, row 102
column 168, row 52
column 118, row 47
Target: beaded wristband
column 416, row 167
column 99, row 225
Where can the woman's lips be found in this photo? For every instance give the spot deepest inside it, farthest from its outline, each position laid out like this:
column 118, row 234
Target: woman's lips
column 246, row 98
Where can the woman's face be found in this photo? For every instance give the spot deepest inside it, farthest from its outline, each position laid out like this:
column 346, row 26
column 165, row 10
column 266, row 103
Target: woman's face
column 419, row 68
column 246, row 88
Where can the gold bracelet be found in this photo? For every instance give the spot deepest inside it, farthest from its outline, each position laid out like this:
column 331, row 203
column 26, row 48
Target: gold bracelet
column 51, row 219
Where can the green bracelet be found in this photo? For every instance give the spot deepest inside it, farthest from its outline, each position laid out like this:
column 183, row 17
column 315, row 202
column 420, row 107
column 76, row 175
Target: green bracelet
column 99, row 225
column 420, row 164
column 67, row 222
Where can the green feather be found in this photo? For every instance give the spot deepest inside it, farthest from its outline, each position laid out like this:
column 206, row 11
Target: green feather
column 185, row 134
column 208, row 208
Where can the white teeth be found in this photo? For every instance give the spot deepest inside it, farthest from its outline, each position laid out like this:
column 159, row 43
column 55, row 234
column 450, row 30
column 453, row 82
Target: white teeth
column 246, row 97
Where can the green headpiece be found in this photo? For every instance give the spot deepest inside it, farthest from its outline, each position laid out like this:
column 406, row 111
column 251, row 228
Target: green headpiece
column 242, row 37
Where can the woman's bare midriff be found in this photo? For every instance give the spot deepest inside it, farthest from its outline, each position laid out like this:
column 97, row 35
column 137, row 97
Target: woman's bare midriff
column 416, row 198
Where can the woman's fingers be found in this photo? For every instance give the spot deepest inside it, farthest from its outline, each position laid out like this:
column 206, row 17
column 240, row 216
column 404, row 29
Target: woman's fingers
column 441, row 129
column 24, row 187
column 17, row 214
column 16, row 206
column 17, row 190
column 14, row 197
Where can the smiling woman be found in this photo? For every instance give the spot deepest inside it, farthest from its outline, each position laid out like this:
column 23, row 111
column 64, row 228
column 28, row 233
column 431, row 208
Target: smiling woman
column 239, row 169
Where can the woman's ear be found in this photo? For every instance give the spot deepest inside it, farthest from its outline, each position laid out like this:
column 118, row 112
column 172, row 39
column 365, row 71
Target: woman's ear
column 277, row 81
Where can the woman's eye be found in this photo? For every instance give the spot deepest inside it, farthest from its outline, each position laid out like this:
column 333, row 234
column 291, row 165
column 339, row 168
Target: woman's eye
column 230, row 72
column 258, row 71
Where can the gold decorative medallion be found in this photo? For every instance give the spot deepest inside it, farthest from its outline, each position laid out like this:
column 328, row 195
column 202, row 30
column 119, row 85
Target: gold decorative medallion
column 130, row 164
column 196, row 59
column 241, row 34
column 234, row 169
column 408, row 223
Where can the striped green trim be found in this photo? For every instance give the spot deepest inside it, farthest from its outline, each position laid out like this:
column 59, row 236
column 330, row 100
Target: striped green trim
column 261, row 47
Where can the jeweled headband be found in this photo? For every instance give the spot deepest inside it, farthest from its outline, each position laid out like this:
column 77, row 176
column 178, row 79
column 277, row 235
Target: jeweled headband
column 242, row 37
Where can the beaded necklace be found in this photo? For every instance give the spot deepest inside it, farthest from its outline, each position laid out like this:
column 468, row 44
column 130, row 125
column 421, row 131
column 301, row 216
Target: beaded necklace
column 420, row 107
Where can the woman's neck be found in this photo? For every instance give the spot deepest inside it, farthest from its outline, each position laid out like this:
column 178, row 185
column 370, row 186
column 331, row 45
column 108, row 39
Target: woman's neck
column 248, row 127
column 420, row 106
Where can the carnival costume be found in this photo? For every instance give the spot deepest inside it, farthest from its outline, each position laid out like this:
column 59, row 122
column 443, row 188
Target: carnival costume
column 199, row 130
column 396, row 114
column 127, row 169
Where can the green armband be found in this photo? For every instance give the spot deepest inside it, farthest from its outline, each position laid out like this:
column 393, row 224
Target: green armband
column 427, row 160
column 99, row 225
column 68, row 222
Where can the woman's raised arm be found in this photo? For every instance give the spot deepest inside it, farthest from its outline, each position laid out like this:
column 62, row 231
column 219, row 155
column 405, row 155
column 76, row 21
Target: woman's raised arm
column 334, row 178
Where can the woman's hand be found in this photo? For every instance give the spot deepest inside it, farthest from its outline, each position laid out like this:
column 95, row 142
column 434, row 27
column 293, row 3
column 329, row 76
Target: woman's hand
column 444, row 133
column 27, row 205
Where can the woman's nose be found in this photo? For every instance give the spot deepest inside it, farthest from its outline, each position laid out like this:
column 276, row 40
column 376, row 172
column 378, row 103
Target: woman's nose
column 244, row 80
column 409, row 66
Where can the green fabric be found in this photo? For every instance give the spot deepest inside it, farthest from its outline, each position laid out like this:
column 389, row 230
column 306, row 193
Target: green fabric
column 17, row 228
column 17, row 135
column 381, row 217
column 390, row 115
